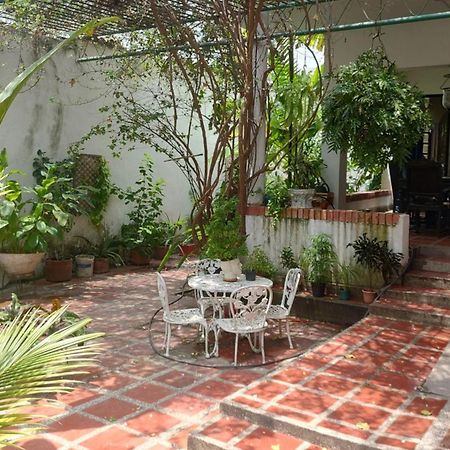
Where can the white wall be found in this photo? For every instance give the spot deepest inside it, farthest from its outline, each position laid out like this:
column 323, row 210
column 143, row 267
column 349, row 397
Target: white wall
column 54, row 113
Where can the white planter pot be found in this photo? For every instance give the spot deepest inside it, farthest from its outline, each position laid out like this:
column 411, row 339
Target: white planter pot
column 85, row 265
column 231, row 269
column 20, row 264
column 301, row 198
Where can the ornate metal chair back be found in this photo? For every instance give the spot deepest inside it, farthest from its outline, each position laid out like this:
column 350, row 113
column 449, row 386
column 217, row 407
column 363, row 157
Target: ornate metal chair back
column 290, row 288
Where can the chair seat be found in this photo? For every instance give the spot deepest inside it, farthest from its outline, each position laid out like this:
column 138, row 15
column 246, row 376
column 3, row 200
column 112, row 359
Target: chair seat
column 277, row 312
column 240, row 325
column 184, row 316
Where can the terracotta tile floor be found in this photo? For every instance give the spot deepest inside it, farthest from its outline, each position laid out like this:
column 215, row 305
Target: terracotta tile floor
column 137, row 399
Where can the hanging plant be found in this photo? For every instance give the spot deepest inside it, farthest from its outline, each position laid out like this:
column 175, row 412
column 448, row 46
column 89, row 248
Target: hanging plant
column 373, row 113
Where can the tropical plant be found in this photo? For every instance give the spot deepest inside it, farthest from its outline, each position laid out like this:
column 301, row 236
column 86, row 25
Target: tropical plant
column 278, row 198
column 107, row 246
column 373, row 113
column 319, row 259
column 100, row 193
column 376, row 257
column 29, row 218
column 259, row 262
column 345, row 274
column 287, row 258
column 34, row 363
column 143, row 230
column 225, row 241
column 10, row 92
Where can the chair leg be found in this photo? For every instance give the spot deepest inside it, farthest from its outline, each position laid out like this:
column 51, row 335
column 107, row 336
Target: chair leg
column 261, row 346
column 168, row 333
column 205, row 331
column 236, row 342
column 288, row 332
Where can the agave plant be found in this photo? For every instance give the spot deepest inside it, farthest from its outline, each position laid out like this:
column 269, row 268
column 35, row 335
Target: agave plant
column 34, row 365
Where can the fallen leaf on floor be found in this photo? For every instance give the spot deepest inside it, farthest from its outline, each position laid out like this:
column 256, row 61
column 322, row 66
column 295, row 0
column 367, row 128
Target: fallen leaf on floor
column 349, row 356
column 276, row 447
column 363, row 426
column 426, row 412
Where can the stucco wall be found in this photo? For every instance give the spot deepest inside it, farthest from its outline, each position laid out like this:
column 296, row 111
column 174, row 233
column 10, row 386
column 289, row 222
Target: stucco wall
column 59, row 109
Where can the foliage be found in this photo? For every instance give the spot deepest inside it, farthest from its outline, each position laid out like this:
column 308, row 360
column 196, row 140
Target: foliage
column 225, row 241
column 345, row 274
column 10, row 92
column 29, row 218
column 34, row 363
column 259, row 262
column 376, row 256
column 319, row 259
column 295, row 120
column 107, row 246
column 288, row 260
column 373, row 113
column 143, row 230
column 99, row 195
column 68, row 197
column 278, row 198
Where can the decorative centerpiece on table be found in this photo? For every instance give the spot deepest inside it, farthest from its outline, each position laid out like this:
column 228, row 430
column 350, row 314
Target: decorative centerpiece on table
column 225, row 241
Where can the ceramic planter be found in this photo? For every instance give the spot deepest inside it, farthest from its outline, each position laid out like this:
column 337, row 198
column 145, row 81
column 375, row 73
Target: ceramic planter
column 160, row 251
column 368, row 296
column 250, row 275
column 101, row 265
column 344, row 293
column 231, row 269
column 20, row 264
column 85, row 265
column 58, row 270
column 301, row 198
column 318, row 289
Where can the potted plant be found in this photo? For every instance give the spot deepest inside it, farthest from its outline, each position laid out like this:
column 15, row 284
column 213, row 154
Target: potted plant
column 258, row 263
column 143, row 233
column 345, row 275
column 373, row 114
column 225, row 242
column 107, row 250
column 287, row 259
column 319, row 262
column 28, row 219
column 59, row 262
column 377, row 258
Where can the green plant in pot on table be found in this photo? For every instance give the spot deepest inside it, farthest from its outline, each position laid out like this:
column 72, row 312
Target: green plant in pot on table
column 319, row 263
column 377, row 258
column 225, row 241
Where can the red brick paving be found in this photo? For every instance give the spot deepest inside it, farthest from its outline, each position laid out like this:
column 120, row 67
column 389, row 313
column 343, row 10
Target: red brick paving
column 365, row 376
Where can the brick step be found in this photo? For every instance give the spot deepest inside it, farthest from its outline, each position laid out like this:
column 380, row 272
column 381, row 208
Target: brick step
column 432, row 250
column 422, row 313
column 427, row 279
column 431, row 263
column 431, row 296
column 230, row 433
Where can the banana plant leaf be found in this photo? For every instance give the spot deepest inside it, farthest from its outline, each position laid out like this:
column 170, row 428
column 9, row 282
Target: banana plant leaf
column 13, row 88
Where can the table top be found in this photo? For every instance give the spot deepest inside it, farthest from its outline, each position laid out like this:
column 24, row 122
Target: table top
column 216, row 283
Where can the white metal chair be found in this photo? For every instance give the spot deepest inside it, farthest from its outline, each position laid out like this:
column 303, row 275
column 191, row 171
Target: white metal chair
column 190, row 316
column 281, row 312
column 248, row 309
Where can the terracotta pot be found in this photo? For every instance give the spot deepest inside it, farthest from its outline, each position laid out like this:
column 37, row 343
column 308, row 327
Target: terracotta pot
column 188, row 249
column 101, row 265
column 368, row 296
column 58, row 270
column 138, row 257
column 160, row 251
column 20, row 264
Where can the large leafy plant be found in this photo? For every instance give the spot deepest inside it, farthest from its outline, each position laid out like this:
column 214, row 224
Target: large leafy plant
column 29, row 217
column 225, row 241
column 373, row 113
column 376, row 257
column 319, row 259
column 34, row 364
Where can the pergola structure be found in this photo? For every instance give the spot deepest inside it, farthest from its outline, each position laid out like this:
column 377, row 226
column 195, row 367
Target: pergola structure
column 286, row 18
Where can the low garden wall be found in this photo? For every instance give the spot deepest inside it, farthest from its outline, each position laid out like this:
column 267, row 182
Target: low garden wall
column 299, row 224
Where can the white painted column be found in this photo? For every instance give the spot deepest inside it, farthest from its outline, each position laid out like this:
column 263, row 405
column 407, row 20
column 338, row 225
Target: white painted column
column 259, row 70
column 335, row 174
